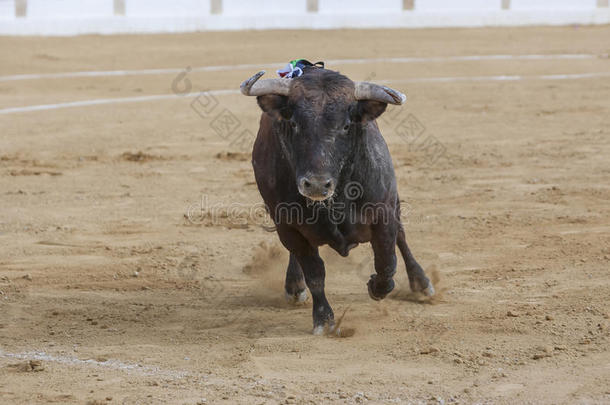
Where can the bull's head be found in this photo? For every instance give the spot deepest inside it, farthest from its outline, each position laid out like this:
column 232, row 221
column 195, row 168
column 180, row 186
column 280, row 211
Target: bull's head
column 319, row 117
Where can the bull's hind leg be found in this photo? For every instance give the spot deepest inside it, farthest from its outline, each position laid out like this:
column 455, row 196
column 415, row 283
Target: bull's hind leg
column 417, row 277
column 295, row 282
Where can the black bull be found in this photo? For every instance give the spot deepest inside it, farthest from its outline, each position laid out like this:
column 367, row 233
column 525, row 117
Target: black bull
column 326, row 176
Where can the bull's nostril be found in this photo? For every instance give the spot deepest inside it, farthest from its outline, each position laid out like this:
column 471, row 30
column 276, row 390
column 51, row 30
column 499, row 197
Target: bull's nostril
column 306, row 183
column 328, row 184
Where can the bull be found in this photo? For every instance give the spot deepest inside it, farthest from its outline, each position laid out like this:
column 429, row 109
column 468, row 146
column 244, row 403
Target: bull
column 326, row 176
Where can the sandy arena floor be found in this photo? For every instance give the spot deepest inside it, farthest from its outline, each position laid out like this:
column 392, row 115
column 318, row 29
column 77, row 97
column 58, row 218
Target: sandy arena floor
column 109, row 294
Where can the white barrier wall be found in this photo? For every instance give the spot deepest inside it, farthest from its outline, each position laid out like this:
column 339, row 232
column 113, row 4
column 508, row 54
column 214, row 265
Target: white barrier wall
column 67, row 8
column 165, row 8
column 557, row 4
column 340, row 7
column 73, row 17
column 452, row 5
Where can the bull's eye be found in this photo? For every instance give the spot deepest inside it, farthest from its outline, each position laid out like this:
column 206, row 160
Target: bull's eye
column 346, row 127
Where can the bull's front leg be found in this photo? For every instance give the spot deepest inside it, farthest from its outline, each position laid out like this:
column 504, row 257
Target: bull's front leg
column 314, row 272
column 295, row 282
column 383, row 242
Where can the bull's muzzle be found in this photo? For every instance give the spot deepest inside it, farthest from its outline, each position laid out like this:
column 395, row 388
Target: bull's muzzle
column 316, row 188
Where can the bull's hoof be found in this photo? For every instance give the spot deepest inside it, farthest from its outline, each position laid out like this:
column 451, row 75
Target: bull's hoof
column 429, row 291
column 377, row 292
column 297, row 298
column 418, row 287
column 329, row 329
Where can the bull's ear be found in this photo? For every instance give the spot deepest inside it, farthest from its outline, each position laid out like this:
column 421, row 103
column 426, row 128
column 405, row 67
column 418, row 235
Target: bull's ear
column 368, row 110
column 275, row 105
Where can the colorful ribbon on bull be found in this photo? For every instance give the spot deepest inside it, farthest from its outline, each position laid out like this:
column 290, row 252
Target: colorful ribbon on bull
column 295, row 68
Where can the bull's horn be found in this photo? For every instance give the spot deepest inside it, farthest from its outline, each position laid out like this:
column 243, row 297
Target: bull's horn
column 371, row 91
column 253, row 87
